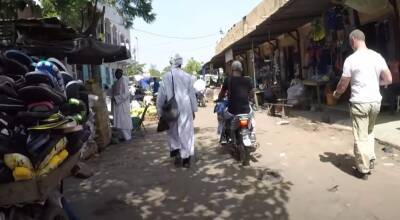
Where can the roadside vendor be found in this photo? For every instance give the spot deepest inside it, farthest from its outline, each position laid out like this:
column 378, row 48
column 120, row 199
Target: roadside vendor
column 121, row 106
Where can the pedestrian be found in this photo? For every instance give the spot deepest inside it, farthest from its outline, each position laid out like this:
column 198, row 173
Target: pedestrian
column 181, row 132
column 121, row 106
column 366, row 70
column 156, row 85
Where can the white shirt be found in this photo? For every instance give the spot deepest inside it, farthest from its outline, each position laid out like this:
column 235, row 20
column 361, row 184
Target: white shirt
column 364, row 67
column 199, row 85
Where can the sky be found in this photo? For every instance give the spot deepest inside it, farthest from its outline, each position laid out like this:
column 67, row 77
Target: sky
column 200, row 20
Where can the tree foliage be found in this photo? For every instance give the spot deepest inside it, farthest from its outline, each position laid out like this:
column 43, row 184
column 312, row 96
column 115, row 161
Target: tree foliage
column 166, row 69
column 192, row 66
column 131, row 9
column 154, row 72
column 135, row 68
column 72, row 12
column 69, row 11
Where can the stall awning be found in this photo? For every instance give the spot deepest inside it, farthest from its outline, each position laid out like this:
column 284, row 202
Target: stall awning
column 289, row 17
column 77, row 51
column 51, row 38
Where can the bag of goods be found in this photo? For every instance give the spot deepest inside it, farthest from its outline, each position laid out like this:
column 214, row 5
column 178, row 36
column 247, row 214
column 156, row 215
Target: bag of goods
column 137, row 112
column 296, row 93
column 17, row 160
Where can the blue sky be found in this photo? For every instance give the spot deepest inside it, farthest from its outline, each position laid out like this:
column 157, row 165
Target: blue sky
column 187, row 18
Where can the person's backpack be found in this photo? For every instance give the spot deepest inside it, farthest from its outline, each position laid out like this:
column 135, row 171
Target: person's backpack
column 170, row 112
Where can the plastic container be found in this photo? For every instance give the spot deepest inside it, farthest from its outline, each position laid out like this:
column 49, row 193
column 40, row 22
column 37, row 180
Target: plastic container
column 330, row 100
column 22, row 173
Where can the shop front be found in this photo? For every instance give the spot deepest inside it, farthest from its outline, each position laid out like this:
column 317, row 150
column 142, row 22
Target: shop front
column 297, row 53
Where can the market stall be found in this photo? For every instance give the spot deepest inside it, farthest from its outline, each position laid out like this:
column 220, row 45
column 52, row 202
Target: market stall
column 46, row 115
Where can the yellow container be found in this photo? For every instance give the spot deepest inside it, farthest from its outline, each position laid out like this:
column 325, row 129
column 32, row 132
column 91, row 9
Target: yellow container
column 22, row 173
column 63, row 155
column 54, row 162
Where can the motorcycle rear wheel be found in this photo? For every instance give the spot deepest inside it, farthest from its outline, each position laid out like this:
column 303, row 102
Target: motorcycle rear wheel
column 244, row 155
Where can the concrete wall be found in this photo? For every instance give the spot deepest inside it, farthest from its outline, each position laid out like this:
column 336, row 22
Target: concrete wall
column 116, row 21
column 248, row 23
column 113, row 25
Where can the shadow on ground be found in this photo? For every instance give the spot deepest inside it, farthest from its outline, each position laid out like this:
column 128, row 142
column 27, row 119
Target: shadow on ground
column 138, row 181
column 344, row 162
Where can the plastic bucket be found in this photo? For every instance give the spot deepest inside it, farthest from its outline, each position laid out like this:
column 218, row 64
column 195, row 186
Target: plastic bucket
column 330, row 100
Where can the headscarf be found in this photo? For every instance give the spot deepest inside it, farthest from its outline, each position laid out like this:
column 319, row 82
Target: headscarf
column 178, row 60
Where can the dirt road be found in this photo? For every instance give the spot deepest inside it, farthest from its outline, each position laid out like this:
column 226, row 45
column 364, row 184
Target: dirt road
column 138, row 180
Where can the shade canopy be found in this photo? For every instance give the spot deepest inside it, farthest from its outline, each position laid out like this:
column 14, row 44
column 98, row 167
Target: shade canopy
column 49, row 37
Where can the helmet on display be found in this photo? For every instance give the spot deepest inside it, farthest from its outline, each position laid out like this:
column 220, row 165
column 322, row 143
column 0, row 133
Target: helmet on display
column 50, row 68
column 47, row 67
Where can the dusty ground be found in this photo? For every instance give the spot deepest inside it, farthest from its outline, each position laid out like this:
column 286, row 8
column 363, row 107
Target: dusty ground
column 138, row 180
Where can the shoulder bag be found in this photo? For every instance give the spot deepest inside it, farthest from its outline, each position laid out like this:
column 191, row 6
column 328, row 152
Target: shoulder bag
column 170, row 108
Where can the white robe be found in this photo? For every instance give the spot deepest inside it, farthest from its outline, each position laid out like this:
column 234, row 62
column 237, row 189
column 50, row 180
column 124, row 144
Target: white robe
column 181, row 133
column 121, row 107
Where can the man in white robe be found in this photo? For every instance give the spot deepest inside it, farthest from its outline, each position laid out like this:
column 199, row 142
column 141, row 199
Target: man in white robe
column 121, row 106
column 181, row 132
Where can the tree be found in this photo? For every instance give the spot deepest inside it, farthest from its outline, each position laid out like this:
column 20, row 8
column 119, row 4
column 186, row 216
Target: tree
column 70, row 12
column 154, row 72
column 130, row 9
column 166, row 69
column 192, row 66
column 135, row 68
column 74, row 12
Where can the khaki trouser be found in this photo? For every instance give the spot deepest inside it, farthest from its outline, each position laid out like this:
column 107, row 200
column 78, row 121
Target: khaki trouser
column 363, row 117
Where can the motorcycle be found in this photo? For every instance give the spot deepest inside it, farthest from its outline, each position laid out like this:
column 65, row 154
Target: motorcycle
column 238, row 132
column 201, row 98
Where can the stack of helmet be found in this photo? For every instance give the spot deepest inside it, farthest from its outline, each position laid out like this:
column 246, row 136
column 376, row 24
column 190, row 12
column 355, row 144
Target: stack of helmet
column 43, row 113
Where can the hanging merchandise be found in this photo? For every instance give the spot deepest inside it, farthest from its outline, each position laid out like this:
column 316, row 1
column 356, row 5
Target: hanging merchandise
column 317, row 31
column 42, row 111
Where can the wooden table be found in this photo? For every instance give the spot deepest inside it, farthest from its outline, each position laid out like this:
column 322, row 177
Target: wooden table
column 317, row 85
column 257, row 93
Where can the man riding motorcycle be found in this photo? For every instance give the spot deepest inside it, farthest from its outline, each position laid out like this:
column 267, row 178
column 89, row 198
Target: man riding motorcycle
column 200, row 89
column 239, row 90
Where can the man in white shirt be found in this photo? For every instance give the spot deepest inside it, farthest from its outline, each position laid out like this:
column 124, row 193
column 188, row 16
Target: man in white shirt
column 366, row 70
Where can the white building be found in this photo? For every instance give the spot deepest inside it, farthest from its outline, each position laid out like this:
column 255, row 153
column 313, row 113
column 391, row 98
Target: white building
column 113, row 32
